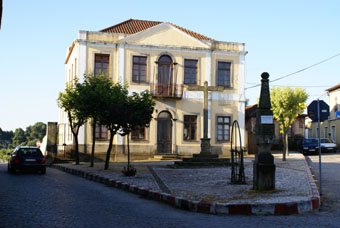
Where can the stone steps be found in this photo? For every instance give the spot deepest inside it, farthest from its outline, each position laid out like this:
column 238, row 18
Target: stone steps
column 166, row 157
column 202, row 160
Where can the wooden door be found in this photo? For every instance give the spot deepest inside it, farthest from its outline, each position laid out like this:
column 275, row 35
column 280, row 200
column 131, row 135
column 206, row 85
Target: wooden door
column 164, row 133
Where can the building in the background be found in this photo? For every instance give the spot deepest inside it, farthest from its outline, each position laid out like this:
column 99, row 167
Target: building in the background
column 295, row 133
column 165, row 59
column 331, row 127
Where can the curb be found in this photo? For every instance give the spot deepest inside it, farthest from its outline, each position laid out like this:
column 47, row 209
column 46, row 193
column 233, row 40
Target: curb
column 206, row 207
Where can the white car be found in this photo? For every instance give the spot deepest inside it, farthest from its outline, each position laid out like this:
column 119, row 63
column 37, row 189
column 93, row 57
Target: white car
column 327, row 145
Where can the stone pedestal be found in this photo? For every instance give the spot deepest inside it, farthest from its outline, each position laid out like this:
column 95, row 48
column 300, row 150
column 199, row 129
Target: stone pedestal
column 205, row 146
column 204, row 159
column 263, row 167
column 264, row 170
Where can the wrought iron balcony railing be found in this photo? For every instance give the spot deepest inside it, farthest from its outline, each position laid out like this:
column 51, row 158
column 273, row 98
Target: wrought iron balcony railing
column 166, row 90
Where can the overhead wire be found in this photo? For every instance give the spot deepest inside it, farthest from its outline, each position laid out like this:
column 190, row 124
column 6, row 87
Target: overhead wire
column 306, row 68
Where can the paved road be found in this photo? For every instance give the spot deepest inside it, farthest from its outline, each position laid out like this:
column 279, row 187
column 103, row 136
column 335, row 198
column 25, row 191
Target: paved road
column 58, row 199
column 330, row 169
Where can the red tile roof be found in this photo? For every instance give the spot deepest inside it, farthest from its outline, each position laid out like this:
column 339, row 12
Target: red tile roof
column 133, row 26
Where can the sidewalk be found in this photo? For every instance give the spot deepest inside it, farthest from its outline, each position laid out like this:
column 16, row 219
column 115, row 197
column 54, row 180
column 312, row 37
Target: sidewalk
column 208, row 190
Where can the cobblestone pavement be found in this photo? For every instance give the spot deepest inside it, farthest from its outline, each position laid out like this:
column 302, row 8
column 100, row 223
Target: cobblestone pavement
column 213, row 184
column 58, row 199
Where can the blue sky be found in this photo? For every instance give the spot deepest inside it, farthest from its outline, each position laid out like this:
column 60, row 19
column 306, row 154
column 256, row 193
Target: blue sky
column 281, row 37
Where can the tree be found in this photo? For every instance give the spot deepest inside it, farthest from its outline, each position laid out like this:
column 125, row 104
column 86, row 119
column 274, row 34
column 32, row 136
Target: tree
column 95, row 90
column 35, row 133
column 71, row 101
column 114, row 101
column 19, row 137
column 5, row 138
column 136, row 113
column 287, row 104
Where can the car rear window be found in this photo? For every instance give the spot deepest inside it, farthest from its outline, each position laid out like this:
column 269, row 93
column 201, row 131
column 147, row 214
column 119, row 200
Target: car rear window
column 311, row 141
column 29, row 152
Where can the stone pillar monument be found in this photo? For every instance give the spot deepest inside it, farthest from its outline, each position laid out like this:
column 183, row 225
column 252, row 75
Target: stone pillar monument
column 264, row 167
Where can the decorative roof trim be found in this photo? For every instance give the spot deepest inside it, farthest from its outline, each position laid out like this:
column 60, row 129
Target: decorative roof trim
column 133, row 26
column 70, row 52
column 169, row 25
column 333, row 88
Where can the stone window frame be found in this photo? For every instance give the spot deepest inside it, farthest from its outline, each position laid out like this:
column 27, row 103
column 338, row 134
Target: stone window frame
column 216, row 125
column 94, row 63
column 191, row 67
column 196, row 127
column 231, row 72
column 100, row 137
column 147, row 59
column 333, row 134
column 146, row 136
column 325, row 132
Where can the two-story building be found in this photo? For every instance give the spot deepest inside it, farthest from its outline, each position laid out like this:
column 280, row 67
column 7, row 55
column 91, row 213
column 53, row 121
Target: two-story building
column 331, row 127
column 165, row 59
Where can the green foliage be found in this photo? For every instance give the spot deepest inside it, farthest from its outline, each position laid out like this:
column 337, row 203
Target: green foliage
column 72, row 100
column 4, row 154
column 136, row 112
column 19, row 137
column 287, row 104
column 97, row 92
column 114, row 102
column 111, row 117
column 34, row 133
column 5, row 138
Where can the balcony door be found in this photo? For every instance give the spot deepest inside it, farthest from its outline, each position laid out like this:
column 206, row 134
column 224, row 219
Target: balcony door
column 165, row 80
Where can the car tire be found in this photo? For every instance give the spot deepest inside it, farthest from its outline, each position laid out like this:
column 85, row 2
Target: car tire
column 43, row 171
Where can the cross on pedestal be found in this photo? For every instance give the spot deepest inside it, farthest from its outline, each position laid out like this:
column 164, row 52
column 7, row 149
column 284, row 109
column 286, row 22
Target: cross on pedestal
column 205, row 141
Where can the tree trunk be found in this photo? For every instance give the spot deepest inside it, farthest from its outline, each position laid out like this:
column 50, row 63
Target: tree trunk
column 128, row 144
column 284, row 145
column 93, row 141
column 76, row 146
column 108, row 153
column 75, row 137
column 287, row 146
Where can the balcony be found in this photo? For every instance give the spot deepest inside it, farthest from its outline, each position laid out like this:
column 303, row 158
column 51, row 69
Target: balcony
column 161, row 90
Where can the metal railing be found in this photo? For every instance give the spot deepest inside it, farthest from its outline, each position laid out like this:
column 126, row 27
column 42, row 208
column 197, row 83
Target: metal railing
column 167, row 90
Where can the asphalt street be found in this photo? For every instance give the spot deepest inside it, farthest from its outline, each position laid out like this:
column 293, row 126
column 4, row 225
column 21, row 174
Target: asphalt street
column 330, row 180
column 58, row 199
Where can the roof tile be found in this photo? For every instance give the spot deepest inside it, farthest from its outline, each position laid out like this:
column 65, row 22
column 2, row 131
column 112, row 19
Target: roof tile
column 133, row 26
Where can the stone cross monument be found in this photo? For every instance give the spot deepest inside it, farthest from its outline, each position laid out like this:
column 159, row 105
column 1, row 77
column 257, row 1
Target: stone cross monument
column 264, row 167
column 205, row 141
column 205, row 158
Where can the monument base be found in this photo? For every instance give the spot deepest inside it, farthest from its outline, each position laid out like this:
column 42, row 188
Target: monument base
column 264, row 172
column 203, row 159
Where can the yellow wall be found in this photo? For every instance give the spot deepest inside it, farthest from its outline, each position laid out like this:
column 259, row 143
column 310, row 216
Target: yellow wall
column 166, row 41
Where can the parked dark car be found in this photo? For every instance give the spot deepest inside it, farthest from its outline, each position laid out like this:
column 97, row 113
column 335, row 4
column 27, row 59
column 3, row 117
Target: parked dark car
column 26, row 158
column 309, row 146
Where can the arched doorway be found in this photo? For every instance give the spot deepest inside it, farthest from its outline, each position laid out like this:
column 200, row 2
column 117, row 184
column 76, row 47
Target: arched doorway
column 164, row 133
column 165, row 75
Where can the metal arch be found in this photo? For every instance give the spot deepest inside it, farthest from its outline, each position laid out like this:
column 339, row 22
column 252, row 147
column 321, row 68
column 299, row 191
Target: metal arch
column 237, row 163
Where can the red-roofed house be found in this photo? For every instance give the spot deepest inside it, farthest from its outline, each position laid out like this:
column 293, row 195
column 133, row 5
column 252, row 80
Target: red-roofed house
column 165, row 59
